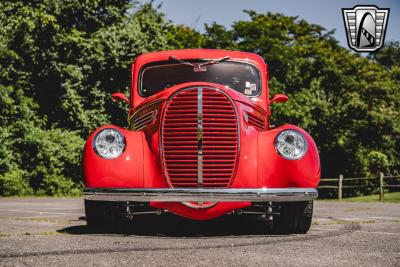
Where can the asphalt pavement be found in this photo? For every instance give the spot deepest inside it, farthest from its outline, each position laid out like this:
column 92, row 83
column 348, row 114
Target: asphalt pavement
column 52, row 232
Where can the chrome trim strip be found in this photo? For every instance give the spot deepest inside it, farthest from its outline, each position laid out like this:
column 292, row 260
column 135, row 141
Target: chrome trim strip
column 142, row 121
column 140, row 108
column 199, row 136
column 201, row 194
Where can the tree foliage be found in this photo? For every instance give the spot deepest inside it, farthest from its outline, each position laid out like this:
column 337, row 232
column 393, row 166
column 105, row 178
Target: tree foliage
column 60, row 60
column 348, row 103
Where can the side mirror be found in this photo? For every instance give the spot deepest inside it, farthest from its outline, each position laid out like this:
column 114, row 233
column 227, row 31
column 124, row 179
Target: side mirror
column 279, row 98
column 120, row 97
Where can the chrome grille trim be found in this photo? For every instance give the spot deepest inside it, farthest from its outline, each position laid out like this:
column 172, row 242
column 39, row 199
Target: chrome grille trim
column 199, row 136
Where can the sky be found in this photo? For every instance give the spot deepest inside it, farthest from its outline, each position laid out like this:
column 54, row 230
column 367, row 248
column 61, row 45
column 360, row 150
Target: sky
column 195, row 13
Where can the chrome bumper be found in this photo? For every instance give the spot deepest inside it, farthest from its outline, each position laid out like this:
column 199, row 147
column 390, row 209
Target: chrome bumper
column 201, row 194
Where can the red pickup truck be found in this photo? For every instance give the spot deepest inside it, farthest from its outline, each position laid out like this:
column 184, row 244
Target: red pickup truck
column 200, row 145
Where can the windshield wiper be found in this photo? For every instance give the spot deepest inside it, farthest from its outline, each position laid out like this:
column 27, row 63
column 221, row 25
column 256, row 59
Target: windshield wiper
column 199, row 66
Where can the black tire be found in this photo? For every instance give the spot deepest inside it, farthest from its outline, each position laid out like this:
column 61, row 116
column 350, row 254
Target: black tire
column 295, row 217
column 100, row 215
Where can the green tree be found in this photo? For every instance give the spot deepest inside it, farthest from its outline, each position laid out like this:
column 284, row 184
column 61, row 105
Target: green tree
column 389, row 55
column 349, row 104
column 60, row 61
column 183, row 37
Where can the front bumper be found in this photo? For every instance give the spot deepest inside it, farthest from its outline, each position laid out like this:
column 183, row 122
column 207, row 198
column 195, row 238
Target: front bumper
column 201, row 194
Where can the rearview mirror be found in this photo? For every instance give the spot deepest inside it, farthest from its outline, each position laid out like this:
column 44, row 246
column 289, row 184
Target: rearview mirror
column 120, row 97
column 279, row 98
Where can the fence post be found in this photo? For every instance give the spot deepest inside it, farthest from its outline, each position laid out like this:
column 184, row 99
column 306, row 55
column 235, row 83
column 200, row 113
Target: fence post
column 381, row 186
column 340, row 192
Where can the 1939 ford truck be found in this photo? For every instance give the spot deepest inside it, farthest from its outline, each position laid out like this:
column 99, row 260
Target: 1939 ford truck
column 200, row 145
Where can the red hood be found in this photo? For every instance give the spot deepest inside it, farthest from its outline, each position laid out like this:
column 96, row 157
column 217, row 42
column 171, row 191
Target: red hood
column 255, row 103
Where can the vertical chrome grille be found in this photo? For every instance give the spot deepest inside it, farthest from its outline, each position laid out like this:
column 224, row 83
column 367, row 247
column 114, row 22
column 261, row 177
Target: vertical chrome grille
column 199, row 137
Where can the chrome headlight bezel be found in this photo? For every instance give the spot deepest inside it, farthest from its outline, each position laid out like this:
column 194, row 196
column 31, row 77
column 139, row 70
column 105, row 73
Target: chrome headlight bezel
column 118, row 143
column 298, row 142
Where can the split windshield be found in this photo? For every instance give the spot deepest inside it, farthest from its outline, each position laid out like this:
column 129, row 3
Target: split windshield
column 242, row 77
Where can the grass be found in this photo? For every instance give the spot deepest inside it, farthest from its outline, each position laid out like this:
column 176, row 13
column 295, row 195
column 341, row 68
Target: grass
column 388, row 197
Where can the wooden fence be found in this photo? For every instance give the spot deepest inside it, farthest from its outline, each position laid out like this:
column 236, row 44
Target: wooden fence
column 340, row 180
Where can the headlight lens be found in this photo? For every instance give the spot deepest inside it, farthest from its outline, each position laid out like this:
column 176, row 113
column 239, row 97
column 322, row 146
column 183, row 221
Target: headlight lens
column 291, row 144
column 109, row 143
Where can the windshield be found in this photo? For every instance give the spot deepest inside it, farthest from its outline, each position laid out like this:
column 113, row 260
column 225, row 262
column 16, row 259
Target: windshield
column 242, row 77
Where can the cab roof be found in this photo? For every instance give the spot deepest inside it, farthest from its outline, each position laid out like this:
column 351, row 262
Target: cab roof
column 200, row 54
column 185, row 54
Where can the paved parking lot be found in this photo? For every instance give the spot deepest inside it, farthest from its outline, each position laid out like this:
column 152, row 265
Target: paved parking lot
column 52, row 231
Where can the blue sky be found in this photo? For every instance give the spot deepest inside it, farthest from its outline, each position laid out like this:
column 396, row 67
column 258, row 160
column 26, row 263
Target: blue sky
column 195, row 13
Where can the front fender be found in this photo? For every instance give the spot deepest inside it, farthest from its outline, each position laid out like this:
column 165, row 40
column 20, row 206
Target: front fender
column 276, row 172
column 125, row 171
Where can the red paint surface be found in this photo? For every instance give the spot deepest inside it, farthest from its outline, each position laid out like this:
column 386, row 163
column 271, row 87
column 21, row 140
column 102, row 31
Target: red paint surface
column 258, row 164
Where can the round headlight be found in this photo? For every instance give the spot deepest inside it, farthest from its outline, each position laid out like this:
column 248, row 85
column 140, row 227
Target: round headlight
column 109, row 143
column 291, row 144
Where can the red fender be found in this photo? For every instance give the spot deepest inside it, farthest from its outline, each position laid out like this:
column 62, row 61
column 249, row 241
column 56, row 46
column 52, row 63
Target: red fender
column 125, row 171
column 276, row 172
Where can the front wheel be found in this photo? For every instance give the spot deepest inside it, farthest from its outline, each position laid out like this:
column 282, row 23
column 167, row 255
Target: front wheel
column 295, row 217
column 100, row 215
